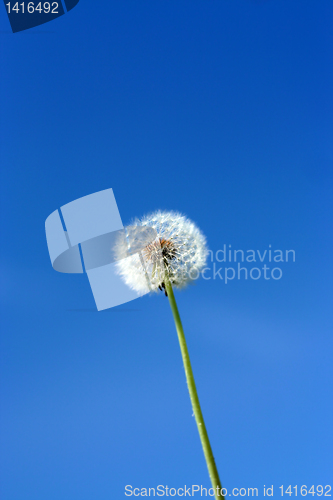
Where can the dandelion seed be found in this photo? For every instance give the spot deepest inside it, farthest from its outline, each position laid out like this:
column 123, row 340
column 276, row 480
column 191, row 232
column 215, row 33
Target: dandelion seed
column 179, row 251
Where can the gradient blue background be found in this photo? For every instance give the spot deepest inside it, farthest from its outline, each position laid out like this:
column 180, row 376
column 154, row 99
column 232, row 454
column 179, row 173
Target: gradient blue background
column 219, row 109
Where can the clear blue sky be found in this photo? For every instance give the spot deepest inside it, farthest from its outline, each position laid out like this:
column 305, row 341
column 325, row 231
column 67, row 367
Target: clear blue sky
column 219, row 109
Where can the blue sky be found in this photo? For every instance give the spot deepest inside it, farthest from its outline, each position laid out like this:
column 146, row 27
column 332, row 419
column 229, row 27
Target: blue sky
column 221, row 110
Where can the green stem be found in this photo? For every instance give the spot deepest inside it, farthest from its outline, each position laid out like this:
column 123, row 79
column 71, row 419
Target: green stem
column 213, row 474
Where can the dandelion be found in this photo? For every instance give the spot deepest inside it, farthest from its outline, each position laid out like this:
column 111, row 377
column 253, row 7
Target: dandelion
column 171, row 257
column 179, row 250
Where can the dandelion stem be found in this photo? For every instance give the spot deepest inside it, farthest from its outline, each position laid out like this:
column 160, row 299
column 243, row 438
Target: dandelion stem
column 213, row 474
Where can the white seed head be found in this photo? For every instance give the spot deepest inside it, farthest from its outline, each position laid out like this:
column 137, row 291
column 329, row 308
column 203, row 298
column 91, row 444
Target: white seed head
column 178, row 250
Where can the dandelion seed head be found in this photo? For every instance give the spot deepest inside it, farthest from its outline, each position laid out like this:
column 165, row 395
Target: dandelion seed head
column 179, row 250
